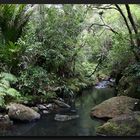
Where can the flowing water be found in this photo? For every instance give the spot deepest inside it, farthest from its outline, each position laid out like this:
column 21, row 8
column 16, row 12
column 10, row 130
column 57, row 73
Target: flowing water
column 82, row 126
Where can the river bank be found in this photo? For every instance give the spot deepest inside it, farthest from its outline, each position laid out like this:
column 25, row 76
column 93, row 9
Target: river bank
column 80, row 126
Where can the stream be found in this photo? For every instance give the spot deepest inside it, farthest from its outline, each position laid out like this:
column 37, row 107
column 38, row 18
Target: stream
column 82, row 126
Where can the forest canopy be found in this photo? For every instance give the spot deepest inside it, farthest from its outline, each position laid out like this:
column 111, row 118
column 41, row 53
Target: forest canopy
column 46, row 49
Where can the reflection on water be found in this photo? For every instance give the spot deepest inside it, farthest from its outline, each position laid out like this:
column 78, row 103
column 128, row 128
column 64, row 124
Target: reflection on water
column 82, row 126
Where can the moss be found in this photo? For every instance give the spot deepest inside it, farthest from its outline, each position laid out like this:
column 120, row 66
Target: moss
column 128, row 86
column 114, row 129
column 108, row 129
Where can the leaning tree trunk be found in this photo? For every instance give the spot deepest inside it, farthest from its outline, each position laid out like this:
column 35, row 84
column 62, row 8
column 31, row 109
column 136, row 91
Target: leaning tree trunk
column 129, row 30
column 130, row 17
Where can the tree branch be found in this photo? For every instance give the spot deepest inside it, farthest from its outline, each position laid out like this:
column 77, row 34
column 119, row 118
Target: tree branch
column 103, row 25
column 100, row 61
column 130, row 32
column 131, row 19
column 105, row 7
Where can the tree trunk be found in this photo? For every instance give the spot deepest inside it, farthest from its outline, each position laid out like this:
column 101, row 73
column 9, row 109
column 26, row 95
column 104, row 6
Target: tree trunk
column 100, row 61
column 130, row 17
column 130, row 32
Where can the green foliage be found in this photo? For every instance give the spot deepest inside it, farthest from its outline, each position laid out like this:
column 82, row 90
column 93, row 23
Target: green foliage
column 12, row 92
column 7, row 77
column 120, row 48
column 56, row 47
column 54, row 39
column 49, row 95
column 13, row 19
column 33, row 81
column 7, row 94
column 133, row 70
column 9, row 55
column 2, row 102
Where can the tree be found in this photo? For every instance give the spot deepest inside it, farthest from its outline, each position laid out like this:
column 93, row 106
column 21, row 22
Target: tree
column 14, row 18
column 133, row 45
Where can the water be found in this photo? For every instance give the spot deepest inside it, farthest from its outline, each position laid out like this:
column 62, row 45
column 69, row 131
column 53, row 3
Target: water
column 82, row 126
column 104, row 83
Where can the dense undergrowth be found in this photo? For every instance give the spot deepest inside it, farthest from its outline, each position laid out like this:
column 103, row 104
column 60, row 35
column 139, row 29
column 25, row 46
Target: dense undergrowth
column 49, row 49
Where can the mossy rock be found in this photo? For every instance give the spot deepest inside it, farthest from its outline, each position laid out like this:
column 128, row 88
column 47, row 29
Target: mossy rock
column 129, row 86
column 123, row 125
column 114, row 107
column 21, row 112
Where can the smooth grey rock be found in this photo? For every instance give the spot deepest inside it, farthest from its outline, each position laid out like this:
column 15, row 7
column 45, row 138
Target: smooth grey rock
column 61, row 104
column 5, row 122
column 59, row 117
column 41, row 107
column 114, row 107
column 22, row 113
column 45, row 112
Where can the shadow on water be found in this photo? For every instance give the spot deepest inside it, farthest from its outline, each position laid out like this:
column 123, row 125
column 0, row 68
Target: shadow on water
column 82, row 126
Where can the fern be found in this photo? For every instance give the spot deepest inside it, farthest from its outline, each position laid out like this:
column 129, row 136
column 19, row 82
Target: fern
column 7, row 93
column 4, row 83
column 13, row 93
column 2, row 102
column 8, row 77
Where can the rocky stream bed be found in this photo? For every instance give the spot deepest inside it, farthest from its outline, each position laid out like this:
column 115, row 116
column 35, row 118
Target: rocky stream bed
column 96, row 112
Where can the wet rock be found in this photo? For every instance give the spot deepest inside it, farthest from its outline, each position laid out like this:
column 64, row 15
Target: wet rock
column 123, row 125
column 35, row 109
column 61, row 104
column 41, row 107
column 114, row 107
column 73, row 110
column 111, row 84
column 45, row 112
column 21, row 112
column 59, row 117
column 49, row 106
column 60, row 99
column 5, row 122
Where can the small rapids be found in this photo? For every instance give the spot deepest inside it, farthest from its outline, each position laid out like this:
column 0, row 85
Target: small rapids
column 105, row 83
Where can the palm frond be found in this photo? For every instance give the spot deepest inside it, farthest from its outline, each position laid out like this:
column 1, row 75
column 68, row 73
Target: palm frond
column 13, row 18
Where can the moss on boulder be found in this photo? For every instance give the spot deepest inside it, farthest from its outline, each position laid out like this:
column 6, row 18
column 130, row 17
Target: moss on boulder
column 129, row 86
column 123, row 125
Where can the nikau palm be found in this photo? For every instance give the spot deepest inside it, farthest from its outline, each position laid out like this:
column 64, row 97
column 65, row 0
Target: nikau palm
column 13, row 18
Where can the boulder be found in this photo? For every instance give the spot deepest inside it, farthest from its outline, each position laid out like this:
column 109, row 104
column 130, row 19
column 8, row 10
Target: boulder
column 41, row 107
column 49, row 106
column 5, row 122
column 59, row 117
column 114, row 107
column 123, row 125
column 45, row 112
column 35, row 109
column 61, row 104
column 21, row 112
column 129, row 86
column 60, row 99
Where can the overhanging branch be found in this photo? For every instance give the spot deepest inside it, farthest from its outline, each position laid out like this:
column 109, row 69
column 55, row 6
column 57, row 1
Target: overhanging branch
column 102, row 25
